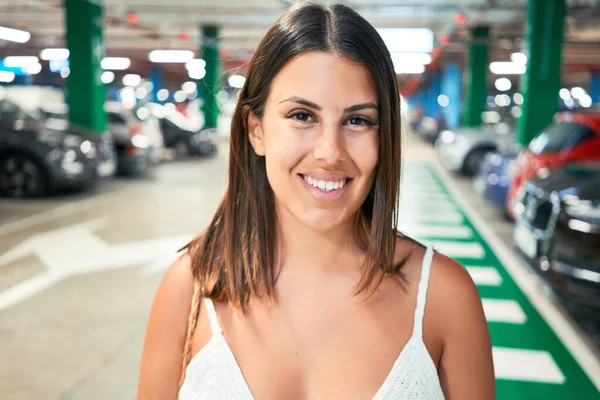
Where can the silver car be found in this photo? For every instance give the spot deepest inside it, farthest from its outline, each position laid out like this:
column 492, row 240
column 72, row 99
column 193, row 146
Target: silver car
column 464, row 149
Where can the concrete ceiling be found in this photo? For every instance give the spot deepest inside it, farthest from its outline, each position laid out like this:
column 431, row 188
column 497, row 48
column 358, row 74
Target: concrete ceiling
column 175, row 24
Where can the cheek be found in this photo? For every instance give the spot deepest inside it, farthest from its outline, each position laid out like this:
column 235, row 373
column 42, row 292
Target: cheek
column 365, row 152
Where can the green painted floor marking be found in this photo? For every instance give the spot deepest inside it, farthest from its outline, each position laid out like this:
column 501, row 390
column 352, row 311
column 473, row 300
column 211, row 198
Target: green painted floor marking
column 534, row 334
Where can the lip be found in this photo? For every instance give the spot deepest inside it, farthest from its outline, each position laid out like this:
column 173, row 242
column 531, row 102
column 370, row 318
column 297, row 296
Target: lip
column 325, row 196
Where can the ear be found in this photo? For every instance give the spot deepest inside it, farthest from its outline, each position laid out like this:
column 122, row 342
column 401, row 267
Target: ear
column 255, row 134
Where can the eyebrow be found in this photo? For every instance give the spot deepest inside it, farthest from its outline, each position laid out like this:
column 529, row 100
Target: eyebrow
column 314, row 106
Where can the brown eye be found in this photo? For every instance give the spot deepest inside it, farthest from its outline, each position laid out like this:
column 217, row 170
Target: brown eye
column 301, row 116
column 359, row 121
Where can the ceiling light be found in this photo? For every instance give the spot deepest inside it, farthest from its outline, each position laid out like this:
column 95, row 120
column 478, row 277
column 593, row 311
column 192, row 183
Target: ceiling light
column 585, row 101
column 7, row 76
column 411, row 58
column 65, row 72
column 107, row 77
column 33, row 69
column 503, row 84
column 518, row 98
column 180, row 96
column 411, row 40
column 507, row 68
column 162, row 95
column 564, row 94
column 197, row 73
column 54, row 54
column 170, row 56
column 443, row 100
column 115, row 63
column 195, row 64
column 20, row 61
column 518, row 58
column 132, row 80
column 578, row 93
column 237, row 81
column 409, row 68
column 14, row 35
column 189, row 87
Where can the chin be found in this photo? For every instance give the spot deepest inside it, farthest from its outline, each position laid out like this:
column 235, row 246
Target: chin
column 323, row 220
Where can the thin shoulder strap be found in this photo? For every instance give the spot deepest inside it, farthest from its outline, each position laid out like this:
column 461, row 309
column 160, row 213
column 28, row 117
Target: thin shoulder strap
column 422, row 293
column 215, row 327
column 192, row 322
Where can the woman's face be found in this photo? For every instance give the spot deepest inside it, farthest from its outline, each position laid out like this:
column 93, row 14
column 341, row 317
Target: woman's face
column 319, row 135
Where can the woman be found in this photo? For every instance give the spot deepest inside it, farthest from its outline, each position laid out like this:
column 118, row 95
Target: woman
column 301, row 287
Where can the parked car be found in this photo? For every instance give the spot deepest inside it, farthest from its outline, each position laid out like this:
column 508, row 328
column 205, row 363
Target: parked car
column 535, row 207
column 138, row 140
column 39, row 155
column 428, row 128
column 494, row 177
column 180, row 135
column 574, row 137
column 464, row 149
column 571, row 255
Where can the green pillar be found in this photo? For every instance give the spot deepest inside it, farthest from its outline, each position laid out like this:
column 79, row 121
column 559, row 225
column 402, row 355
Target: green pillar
column 541, row 83
column 478, row 66
column 211, row 84
column 85, row 90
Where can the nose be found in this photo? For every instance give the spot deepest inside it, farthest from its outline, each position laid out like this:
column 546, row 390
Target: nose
column 329, row 147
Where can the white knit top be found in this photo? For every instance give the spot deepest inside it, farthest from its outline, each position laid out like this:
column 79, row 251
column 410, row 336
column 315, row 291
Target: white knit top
column 214, row 374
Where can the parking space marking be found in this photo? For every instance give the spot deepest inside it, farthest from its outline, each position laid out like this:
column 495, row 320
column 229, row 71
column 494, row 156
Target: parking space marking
column 433, row 217
column 507, row 311
column 485, row 276
column 459, row 249
column 526, row 365
column 437, row 231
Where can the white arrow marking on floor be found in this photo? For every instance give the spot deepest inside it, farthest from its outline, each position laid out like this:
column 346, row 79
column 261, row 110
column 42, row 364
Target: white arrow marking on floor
column 526, row 365
column 439, row 231
column 433, row 217
column 485, row 276
column 508, row 311
column 75, row 250
column 459, row 249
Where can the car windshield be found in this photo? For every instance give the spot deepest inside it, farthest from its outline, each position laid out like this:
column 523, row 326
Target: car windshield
column 559, row 137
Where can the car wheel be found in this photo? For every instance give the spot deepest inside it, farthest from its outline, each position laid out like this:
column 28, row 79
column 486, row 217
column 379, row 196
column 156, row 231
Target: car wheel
column 473, row 161
column 182, row 148
column 21, row 177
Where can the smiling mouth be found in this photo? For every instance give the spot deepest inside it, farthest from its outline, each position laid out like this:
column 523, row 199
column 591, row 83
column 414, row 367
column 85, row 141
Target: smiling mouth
column 326, row 186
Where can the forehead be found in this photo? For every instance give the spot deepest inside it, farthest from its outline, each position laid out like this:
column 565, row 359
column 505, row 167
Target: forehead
column 324, row 78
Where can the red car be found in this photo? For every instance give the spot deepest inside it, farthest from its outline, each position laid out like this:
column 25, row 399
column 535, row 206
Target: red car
column 574, row 137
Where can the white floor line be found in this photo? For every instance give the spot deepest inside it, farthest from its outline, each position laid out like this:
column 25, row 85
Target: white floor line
column 516, row 269
column 485, row 276
column 49, row 215
column 443, row 217
column 459, row 249
column 526, row 365
column 508, row 311
column 408, row 195
column 439, row 231
column 28, row 288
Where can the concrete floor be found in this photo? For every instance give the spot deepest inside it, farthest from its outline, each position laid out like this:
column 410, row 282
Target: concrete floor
column 78, row 274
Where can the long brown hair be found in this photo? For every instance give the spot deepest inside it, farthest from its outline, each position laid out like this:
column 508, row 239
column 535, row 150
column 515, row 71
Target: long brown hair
column 234, row 259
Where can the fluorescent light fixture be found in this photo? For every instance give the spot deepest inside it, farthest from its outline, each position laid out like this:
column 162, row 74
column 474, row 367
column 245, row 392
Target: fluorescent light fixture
column 409, row 68
column 170, row 56
column 411, row 58
column 195, row 64
column 7, row 76
column 21, row 61
column 132, row 80
column 237, row 81
column 162, row 95
column 180, row 96
column 115, row 63
column 33, row 69
column 409, row 40
column 58, row 65
column 107, row 77
column 197, row 73
column 518, row 58
column 507, row 68
column 578, row 92
column 503, row 84
column 14, row 35
column 443, row 100
column 189, row 87
column 54, row 54
column 564, row 94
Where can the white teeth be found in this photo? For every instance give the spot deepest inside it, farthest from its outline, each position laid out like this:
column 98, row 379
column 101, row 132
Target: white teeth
column 326, row 186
